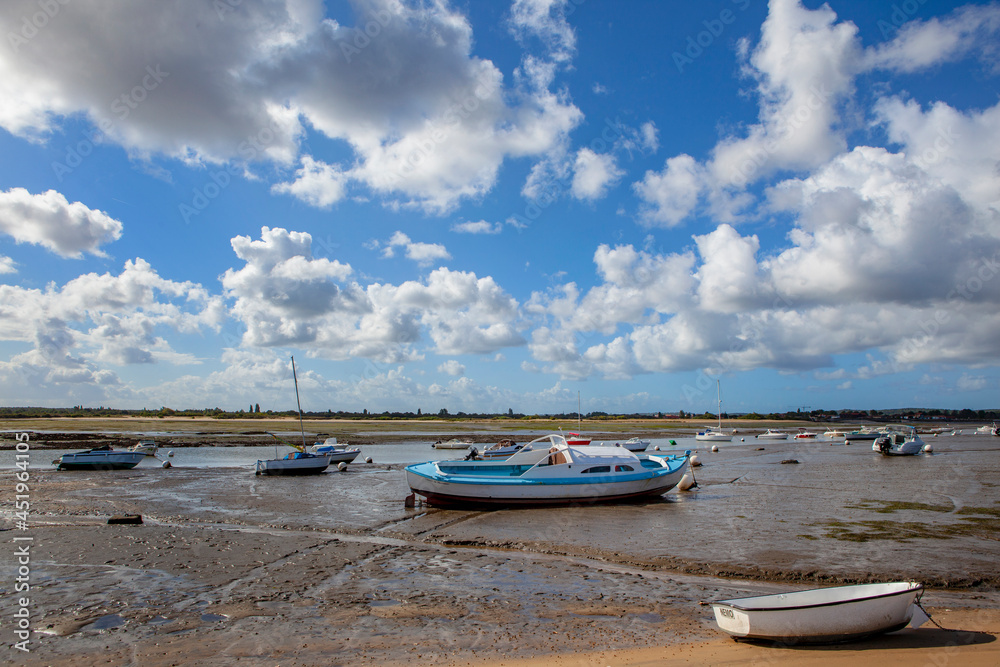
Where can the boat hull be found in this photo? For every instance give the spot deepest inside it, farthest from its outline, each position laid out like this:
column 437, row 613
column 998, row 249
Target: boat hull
column 509, row 490
column 338, row 455
column 289, row 467
column 820, row 616
column 636, row 445
column 452, row 445
column 100, row 460
column 713, row 437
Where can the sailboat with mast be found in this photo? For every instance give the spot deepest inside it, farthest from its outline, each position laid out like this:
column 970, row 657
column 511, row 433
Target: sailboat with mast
column 575, row 438
column 716, row 433
column 301, row 461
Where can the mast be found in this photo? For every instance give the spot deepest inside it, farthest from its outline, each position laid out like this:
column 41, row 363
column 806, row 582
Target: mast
column 299, row 405
column 718, row 386
column 579, row 413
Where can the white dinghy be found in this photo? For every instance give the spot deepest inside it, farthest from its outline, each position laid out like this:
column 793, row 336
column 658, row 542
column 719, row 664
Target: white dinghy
column 822, row 615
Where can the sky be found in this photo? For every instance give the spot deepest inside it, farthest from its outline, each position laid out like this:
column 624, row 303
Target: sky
column 481, row 206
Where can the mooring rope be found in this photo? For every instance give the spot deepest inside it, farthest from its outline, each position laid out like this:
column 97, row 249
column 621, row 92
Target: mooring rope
column 928, row 614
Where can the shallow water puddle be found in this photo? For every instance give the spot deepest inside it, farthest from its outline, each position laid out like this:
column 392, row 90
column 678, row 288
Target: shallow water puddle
column 106, row 622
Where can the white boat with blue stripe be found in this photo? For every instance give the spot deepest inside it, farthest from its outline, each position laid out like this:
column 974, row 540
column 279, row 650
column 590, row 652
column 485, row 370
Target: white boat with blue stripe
column 547, row 471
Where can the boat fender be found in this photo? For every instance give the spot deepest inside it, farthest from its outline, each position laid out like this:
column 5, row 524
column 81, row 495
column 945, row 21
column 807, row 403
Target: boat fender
column 687, row 482
column 694, row 461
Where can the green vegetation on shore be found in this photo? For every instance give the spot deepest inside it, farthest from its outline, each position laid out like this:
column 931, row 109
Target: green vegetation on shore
column 254, row 412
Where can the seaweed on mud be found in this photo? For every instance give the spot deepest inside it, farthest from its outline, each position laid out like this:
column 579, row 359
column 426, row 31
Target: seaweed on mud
column 890, row 506
column 981, row 522
column 904, row 531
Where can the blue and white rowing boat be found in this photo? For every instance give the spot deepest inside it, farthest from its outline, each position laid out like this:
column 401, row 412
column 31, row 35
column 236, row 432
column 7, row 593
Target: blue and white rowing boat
column 547, row 471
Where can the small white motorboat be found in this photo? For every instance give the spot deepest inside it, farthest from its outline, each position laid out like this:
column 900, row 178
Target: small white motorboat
column 337, row 453
column 547, row 471
column 636, row 444
column 454, row 443
column 822, row 615
column 834, row 434
column 713, row 434
column 864, row 434
column 985, row 429
column 501, row 450
column 147, row 447
column 771, row 434
column 899, row 442
column 100, row 458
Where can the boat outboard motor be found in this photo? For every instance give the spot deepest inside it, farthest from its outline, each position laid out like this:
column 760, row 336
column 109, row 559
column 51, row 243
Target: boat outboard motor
column 884, row 444
column 473, row 455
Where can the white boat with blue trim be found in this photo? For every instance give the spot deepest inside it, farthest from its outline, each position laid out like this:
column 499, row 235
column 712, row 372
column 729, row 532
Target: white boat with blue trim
column 338, row 453
column 547, row 471
column 822, row 615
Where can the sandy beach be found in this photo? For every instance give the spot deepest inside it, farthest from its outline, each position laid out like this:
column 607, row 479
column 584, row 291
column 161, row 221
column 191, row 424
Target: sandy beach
column 335, row 570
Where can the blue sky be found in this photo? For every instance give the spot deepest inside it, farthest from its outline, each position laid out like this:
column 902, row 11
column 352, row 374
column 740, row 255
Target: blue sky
column 485, row 206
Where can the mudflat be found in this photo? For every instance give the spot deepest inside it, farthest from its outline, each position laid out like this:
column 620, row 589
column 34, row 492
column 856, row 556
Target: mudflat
column 334, row 569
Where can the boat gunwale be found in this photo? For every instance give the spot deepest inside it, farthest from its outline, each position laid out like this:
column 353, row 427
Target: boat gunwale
column 914, row 587
column 520, row 480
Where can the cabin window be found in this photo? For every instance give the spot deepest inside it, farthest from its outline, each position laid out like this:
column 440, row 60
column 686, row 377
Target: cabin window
column 624, row 468
column 597, row 469
column 557, row 458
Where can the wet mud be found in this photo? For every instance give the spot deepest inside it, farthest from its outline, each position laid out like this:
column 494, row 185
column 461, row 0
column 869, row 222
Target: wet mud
column 334, row 569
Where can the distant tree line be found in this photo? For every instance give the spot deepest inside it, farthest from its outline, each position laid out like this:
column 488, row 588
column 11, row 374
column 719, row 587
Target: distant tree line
column 255, row 412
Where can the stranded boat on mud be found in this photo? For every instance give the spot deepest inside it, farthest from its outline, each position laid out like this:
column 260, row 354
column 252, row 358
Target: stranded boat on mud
column 548, row 471
column 899, row 442
column 299, row 462
column 338, row 453
column 100, row 458
column 822, row 615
